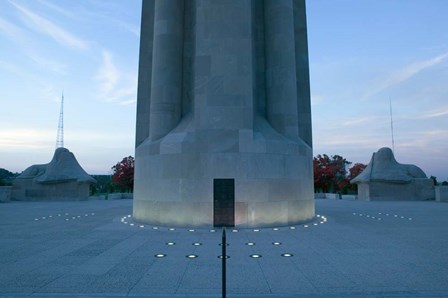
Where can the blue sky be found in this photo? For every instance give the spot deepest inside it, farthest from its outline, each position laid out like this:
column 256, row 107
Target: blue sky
column 362, row 53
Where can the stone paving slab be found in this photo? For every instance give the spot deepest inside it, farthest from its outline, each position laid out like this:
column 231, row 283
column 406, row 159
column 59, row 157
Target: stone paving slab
column 352, row 249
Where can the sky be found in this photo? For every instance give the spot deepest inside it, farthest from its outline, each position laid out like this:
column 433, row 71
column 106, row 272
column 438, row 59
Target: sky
column 364, row 55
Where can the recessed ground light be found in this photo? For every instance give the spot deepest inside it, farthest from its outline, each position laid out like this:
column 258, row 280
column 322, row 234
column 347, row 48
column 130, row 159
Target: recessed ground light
column 131, row 224
column 220, row 257
column 172, row 229
column 276, row 243
column 51, row 216
column 155, row 228
column 354, row 213
column 191, row 230
column 73, row 217
column 78, row 216
column 160, row 255
column 250, row 243
column 94, row 214
column 44, row 217
column 367, row 215
column 256, row 230
column 402, row 217
column 275, row 229
column 197, row 244
column 66, row 219
column 170, row 243
column 387, row 214
column 318, row 215
column 235, row 231
column 125, row 222
column 191, row 256
column 129, row 215
column 66, row 213
column 142, row 226
column 395, row 215
column 379, row 218
column 305, row 226
column 380, row 213
column 286, row 255
column 322, row 222
column 36, row 219
column 292, row 228
column 410, row 218
column 314, row 224
column 212, row 231
column 255, row 256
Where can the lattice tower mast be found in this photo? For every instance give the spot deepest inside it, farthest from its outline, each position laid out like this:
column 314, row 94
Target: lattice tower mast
column 60, row 136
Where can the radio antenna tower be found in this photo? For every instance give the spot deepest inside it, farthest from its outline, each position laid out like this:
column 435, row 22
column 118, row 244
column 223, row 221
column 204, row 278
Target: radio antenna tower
column 60, row 136
column 391, row 125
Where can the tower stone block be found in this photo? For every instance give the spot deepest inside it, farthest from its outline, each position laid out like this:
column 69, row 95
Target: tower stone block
column 223, row 93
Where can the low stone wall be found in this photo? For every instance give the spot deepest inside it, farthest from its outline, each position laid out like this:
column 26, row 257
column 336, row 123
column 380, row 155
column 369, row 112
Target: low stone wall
column 119, row 196
column 441, row 193
column 334, row 196
column 5, row 193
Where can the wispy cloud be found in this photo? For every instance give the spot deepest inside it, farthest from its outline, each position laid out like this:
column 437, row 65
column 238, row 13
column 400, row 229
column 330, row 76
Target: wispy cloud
column 10, row 30
column 405, row 74
column 46, row 63
column 113, row 87
column 442, row 111
column 56, row 8
column 47, row 27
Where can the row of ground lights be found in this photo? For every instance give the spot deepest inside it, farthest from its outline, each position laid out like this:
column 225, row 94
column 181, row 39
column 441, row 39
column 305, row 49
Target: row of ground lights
column 321, row 220
column 63, row 215
column 254, row 256
column 378, row 217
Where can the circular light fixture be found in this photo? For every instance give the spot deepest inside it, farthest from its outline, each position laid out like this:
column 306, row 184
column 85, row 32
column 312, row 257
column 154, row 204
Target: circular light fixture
column 191, row 230
column 197, row 244
column 94, row 214
column 275, row 229
column 292, row 228
column 172, row 229
column 142, row 226
column 36, row 219
column 314, row 224
column 160, row 255
column 286, row 255
column 155, row 228
column 235, row 231
column 276, row 243
column 220, row 257
column 256, row 230
column 128, row 215
column 305, row 226
column 250, row 243
column 191, row 256
column 318, row 215
column 255, row 256
column 170, row 243
column 212, row 231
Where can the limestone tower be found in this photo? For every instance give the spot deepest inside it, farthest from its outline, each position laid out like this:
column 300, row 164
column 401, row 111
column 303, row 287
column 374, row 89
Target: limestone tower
column 223, row 114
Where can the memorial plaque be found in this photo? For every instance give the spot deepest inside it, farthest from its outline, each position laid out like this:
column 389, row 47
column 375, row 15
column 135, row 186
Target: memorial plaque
column 224, row 202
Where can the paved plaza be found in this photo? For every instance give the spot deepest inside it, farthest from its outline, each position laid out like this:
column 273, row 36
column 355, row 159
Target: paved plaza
column 351, row 249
